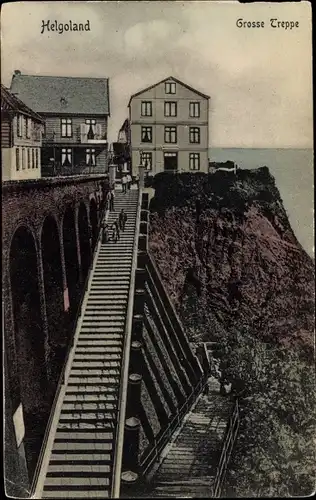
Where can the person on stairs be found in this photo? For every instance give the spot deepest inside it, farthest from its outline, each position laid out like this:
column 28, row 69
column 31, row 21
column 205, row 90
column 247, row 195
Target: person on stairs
column 115, row 231
column 129, row 180
column 112, row 196
column 105, row 232
column 124, row 183
column 122, row 220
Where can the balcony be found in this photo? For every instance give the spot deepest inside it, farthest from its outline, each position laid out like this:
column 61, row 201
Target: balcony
column 86, row 136
column 80, row 136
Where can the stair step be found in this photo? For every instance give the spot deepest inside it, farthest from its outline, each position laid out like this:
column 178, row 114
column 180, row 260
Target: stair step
column 112, row 333
column 74, row 495
column 73, row 379
column 88, row 406
column 93, row 342
column 94, row 398
column 80, row 371
column 85, row 436
column 106, row 307
column 80, row 458
column 71, row 478
column 92, row 363
column 76, row 389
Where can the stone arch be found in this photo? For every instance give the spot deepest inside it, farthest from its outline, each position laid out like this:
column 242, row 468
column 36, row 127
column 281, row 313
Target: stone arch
column 84, row 239
column 93, row 212
column 30, row 341
column 71, row 260
column 54, row 297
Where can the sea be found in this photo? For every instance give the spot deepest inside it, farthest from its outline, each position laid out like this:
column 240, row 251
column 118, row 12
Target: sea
column 293, row 170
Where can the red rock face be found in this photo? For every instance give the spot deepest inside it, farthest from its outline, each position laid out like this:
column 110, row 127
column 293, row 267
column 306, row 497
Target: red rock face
column 232, row 259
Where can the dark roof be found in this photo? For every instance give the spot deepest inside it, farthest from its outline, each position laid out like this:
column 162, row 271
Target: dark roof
column 11, row 102
column 125, row 125
column 164, row 80
column 63, row 94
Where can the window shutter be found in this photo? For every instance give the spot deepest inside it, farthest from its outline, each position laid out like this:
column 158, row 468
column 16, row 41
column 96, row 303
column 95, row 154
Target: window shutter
column 83, row 132
column 98, row 129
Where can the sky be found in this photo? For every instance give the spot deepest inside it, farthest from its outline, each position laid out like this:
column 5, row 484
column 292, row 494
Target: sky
column 259, row 79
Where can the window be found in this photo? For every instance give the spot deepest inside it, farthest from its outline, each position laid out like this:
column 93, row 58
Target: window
column 66, row 127
column 91, row 128
column 66, row 157
column 27, row 131
column 170, row 161
column 23, row 159
column 147, row 159
column 170, row 134
column 195, row 135
column 194, row 161
column 17, row 158
column 28, row 158
column 33, row 158
column 170, row 88
column 90, row 156
column 194, row 110
column 36, row 157
column 147, row 134
column 19, row 125
column 170, row 108
column 146, row 108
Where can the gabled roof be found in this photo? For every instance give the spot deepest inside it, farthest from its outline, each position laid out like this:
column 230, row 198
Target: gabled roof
column 63, row 94
column 164, row 80
column 10, row 102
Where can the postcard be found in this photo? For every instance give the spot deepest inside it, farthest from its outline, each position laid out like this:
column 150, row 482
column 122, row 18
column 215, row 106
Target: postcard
column 158, row 249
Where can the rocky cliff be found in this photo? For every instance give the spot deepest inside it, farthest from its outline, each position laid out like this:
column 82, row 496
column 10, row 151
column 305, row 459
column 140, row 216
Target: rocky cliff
column 237, row 274
column 229, row 258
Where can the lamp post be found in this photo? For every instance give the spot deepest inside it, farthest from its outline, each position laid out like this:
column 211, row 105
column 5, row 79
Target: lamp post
column 141, row 169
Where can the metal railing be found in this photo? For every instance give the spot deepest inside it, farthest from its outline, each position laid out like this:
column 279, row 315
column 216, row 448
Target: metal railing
column 229, row 440
column 119, row 438
column 61, row 379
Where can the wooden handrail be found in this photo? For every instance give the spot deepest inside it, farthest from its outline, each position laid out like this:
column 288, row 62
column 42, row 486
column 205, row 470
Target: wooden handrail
column 229, row 441
column 119, row 438
column 61, row 379
column 162, row 438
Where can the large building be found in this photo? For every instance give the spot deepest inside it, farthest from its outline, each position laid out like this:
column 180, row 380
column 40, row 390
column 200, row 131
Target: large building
column 21, row 139
column 169, row 128
column 76, row 112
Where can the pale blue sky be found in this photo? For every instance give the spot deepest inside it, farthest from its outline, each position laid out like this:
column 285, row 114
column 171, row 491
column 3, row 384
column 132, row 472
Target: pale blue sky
column 259, row 80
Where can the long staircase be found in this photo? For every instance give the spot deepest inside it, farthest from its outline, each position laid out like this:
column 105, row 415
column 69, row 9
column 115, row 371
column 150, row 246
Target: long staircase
column 82, row 457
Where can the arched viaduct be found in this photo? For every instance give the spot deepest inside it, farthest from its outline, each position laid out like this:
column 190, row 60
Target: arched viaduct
column 50, row 228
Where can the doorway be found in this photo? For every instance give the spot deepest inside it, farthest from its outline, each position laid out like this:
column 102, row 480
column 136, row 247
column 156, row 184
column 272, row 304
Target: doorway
column 171, row 162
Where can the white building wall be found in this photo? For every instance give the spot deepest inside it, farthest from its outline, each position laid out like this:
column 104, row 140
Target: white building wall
column 25, row 170
column 158, row 121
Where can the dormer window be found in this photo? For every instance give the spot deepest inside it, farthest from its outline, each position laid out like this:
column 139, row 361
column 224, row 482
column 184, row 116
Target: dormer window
column 63, row 101
column 170, row 87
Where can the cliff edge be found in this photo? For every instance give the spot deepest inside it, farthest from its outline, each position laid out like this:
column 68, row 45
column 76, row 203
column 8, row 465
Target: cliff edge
column 228, row 257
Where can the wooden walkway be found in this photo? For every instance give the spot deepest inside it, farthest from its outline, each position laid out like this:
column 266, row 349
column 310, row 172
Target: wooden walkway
column 188, row 468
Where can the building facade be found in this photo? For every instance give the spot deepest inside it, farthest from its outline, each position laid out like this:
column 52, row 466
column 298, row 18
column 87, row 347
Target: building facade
column 76, row 113
column 21, row 139
column 169, row 128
